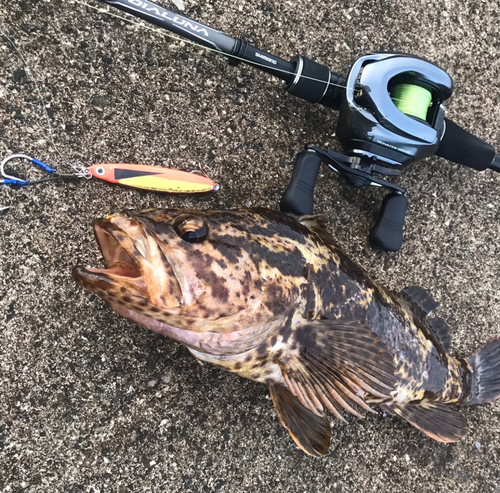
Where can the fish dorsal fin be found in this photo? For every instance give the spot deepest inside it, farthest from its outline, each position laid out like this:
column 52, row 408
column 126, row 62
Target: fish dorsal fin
column 313, row 221
column 421, row 304
column 336, row 365
column 310, row 432
column 419, row 300
column 437, row 420
column 441, row 331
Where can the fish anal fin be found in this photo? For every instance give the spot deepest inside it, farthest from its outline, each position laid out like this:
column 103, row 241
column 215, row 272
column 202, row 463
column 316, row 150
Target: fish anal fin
column 337, row 366
column 441, row 331
column 312, row 433
column 437, row 420
column 420, row 301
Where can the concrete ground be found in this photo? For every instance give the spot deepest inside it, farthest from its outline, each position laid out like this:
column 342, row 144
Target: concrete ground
column 90, row 402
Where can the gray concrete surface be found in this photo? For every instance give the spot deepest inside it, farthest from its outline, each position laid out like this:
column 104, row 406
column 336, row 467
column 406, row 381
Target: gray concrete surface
column 91, row 403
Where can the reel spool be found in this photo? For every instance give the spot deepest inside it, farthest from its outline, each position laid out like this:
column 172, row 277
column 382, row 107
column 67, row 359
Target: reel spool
column 386, row 113
column 412, row 100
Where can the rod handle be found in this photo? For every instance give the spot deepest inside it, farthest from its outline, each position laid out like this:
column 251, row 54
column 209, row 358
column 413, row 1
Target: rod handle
column 460, row 146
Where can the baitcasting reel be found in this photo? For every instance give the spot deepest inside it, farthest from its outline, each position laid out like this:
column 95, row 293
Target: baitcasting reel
column 391, row 114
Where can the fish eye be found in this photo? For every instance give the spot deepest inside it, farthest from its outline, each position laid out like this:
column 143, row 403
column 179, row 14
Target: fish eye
column 100, row 171
column 191, row 228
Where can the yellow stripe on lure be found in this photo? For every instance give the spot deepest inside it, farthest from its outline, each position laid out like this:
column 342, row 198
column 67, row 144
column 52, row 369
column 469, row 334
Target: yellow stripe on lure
column 153, row 178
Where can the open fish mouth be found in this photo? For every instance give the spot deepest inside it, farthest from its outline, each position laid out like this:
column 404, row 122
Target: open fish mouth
column 136, row 271
column 147, row 280
column 119, row 254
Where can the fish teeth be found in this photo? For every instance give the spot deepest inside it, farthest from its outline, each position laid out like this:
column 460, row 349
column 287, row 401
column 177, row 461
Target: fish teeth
column 141, row 247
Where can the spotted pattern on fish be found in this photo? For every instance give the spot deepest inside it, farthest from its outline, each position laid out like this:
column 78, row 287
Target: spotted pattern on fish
column 273, row 298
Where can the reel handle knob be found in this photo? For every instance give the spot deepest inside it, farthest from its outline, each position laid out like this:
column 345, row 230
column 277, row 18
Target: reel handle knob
column 299, row 196
column 387, row 234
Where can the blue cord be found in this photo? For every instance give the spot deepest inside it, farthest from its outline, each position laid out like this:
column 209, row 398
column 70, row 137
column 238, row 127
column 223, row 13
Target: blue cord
column 43, row 165
column 13, row 180
column 7, row 181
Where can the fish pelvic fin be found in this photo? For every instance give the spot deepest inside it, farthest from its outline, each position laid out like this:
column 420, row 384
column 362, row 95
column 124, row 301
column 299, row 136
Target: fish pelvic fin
column 336, row 366
column 310, row 432
column 484, row 375
column 436, row 420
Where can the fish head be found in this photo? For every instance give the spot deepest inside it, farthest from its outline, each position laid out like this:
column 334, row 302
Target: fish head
column 193, row 275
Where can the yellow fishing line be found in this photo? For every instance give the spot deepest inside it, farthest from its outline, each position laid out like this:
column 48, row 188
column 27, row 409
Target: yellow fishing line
column 411, row 100
column 164, row 33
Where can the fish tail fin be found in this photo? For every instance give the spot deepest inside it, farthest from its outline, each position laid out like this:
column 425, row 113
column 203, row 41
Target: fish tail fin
column 484, row 378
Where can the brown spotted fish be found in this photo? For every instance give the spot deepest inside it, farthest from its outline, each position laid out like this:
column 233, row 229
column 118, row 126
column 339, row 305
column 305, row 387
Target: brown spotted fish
column 272, row 298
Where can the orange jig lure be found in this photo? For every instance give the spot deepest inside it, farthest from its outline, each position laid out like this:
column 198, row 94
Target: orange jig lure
column 153, row 178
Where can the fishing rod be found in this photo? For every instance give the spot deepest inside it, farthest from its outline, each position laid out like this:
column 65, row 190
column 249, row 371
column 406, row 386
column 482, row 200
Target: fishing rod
column 391, row 113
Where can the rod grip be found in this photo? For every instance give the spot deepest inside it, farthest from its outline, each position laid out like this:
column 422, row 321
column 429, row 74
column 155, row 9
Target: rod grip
column 387, row 234
column 462, row 147
column 299, row 196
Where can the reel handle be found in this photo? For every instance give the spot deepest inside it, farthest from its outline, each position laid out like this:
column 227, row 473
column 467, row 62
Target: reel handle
column 387, row 234
column 299, row 196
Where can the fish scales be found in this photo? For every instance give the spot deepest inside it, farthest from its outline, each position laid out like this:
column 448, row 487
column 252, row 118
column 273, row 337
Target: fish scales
column 273, row 298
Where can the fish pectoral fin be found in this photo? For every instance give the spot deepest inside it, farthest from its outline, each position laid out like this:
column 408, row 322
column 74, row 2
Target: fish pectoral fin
column 336, row 366
column 420, row 302
column 310, row 432
column 441, row 331
column 437, row 420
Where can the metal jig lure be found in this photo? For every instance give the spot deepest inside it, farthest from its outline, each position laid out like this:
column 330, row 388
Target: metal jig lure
column 153, row 178
column 140, row 176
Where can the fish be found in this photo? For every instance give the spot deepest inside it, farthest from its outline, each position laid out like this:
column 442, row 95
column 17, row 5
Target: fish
column 273, row 298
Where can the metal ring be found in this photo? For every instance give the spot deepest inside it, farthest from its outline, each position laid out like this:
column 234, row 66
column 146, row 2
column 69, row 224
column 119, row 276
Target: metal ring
column 298, row 74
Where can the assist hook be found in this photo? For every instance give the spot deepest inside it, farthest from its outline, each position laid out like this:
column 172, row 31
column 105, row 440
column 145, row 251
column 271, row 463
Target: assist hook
column 14, row 180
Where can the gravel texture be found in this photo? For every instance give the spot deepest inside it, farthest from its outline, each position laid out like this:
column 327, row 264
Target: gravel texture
column 90, row 402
